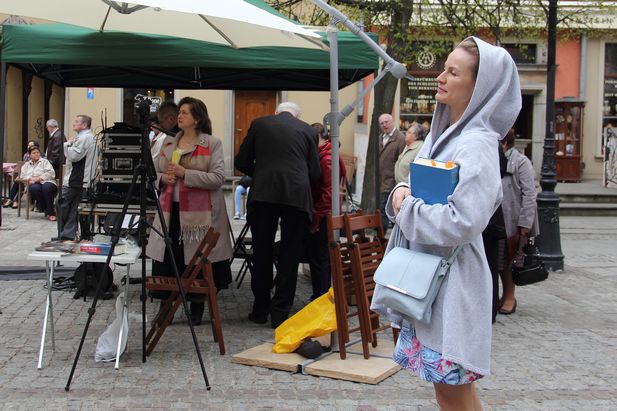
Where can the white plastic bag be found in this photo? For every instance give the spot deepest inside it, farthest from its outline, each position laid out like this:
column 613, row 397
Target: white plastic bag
column 107, row 345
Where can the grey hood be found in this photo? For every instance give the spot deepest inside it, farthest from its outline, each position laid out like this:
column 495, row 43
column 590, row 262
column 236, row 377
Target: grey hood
column 492, row 107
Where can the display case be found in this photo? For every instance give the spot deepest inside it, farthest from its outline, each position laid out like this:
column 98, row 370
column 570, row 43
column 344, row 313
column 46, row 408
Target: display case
column 568, row 138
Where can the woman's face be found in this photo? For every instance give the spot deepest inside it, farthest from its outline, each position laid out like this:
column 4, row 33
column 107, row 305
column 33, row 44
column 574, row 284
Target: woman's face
column 185, row 118
column 410, row 136
column 35, row 155
column 456, row 83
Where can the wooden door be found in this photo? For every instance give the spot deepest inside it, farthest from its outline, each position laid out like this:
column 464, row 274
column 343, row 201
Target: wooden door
column 249, row 105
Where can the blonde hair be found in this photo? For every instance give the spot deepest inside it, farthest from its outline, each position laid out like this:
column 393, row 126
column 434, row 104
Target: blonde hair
column 470, row 46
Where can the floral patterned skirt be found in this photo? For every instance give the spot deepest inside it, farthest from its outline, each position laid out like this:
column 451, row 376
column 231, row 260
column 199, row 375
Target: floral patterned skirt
column 428, row 364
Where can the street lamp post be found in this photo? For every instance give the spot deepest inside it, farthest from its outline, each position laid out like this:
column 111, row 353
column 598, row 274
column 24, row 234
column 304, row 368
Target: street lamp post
column 549, row 242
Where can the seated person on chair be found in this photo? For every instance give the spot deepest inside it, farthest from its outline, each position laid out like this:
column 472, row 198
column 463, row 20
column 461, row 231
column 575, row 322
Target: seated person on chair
column 192, row 200
column 39, row 174
column 11, row 201
column 243, row 188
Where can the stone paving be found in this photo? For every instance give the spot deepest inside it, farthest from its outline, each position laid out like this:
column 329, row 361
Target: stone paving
column 556, row 353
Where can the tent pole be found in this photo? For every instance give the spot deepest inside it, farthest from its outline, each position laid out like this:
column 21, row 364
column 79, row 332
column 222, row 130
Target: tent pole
column 336, row 117
column 3, row 69
column 334, row 111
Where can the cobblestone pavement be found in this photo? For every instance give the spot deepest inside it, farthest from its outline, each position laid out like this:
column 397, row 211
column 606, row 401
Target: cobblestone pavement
column 556, row 353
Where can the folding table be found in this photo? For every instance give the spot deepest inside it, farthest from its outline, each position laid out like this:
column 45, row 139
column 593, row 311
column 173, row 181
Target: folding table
column 50, row 258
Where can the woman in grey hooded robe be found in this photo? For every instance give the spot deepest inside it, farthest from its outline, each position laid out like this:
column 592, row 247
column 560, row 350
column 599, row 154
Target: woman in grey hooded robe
column 478, row 100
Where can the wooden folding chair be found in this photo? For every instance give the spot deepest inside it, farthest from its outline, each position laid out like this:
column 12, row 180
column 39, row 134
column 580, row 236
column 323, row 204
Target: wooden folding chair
column 342, row 283
column 350, row 169
column 365, row 252
column 197, row 278
column 23, row 189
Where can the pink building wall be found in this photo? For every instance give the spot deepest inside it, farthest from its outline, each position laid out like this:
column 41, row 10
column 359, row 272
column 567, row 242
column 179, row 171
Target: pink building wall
column 568, row 59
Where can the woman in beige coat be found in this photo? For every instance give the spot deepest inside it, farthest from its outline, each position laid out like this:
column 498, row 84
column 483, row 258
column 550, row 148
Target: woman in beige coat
column 414, row 138
column 192, row 199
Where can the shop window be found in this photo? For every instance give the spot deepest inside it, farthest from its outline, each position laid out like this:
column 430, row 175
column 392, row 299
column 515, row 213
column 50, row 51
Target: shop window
column 608, row 146
column 418, row 91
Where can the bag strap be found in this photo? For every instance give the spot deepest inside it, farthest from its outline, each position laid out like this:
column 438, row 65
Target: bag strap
column 452, row 256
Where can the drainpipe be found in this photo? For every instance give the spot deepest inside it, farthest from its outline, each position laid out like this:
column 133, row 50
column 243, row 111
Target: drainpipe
column 582, row 90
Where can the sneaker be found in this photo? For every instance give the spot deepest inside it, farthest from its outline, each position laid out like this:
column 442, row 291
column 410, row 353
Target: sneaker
column 236, row 216
column 243, row 217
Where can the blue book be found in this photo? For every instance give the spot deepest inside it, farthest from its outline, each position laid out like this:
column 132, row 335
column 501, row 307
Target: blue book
column 432, row 181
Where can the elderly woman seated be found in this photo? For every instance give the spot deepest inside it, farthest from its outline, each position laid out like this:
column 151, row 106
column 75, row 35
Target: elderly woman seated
column 39, row 174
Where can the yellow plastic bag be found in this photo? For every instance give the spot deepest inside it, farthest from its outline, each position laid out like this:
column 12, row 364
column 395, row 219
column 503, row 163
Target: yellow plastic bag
column 316, row 319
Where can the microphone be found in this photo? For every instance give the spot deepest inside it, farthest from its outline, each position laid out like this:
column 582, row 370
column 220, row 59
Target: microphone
column 162, row 130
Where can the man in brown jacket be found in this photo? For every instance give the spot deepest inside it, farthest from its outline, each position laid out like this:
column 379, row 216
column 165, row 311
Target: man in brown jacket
column 391, row 145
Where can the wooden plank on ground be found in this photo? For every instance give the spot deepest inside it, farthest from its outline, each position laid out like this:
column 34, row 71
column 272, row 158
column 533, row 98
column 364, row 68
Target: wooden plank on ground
column 262, row 356
column 354, row 368
column 385, row 348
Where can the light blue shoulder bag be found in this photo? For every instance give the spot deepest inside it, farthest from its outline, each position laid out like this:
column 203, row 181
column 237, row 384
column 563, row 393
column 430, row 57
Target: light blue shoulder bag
column 410, row 281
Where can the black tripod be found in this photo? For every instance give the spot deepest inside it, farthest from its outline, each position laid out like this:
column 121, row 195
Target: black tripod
column 145, row 172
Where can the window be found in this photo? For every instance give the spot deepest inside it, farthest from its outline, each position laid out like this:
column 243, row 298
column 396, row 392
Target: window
column 418, row 91
column 522, row 53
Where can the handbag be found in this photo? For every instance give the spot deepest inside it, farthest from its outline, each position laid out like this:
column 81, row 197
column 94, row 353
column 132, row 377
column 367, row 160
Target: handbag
column 410, row 281
column 527, row 267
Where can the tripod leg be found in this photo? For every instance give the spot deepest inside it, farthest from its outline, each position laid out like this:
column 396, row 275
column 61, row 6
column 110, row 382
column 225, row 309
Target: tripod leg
column 114, row 240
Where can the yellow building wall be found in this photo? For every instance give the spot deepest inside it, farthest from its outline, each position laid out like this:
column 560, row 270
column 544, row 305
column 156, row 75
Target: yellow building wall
column 55, row 105
column 13, row 136
column 106, row 102
column 36, row 109
column 316, row 104
column 215, row 101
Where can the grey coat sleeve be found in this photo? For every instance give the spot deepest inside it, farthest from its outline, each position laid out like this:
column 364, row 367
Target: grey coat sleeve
column 525, row 175
column 470, row 206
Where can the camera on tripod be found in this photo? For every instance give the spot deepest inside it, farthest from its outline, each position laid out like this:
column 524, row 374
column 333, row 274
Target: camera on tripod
column 144, row 105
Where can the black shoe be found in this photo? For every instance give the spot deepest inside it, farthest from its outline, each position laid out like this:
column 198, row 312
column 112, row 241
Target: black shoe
column 197, row 311
column 278, row 319
column 258, row 318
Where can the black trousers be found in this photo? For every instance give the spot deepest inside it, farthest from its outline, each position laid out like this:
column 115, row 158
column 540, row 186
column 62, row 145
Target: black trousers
column 492, row 255
column 319, row 259
column 44, row 195
column 67, row 208
column 264, row 220
column 385, row 222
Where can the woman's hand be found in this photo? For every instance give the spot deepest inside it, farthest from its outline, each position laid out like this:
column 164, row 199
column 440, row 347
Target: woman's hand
column 399, row 195
column 176, row 170
column 168, row 179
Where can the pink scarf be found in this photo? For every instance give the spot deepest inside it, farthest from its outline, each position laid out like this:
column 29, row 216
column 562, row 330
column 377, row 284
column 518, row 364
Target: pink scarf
column 195, row 203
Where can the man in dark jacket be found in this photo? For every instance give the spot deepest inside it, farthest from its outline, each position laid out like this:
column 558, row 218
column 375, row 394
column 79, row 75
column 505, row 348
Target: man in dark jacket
column 280, row 153
column 391, row 145
column 55, row 151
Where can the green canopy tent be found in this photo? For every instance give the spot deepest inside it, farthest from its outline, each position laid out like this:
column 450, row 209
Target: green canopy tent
column 72, row 56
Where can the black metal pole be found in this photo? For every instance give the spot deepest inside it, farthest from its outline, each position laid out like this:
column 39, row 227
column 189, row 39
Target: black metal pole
column 549, row 241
